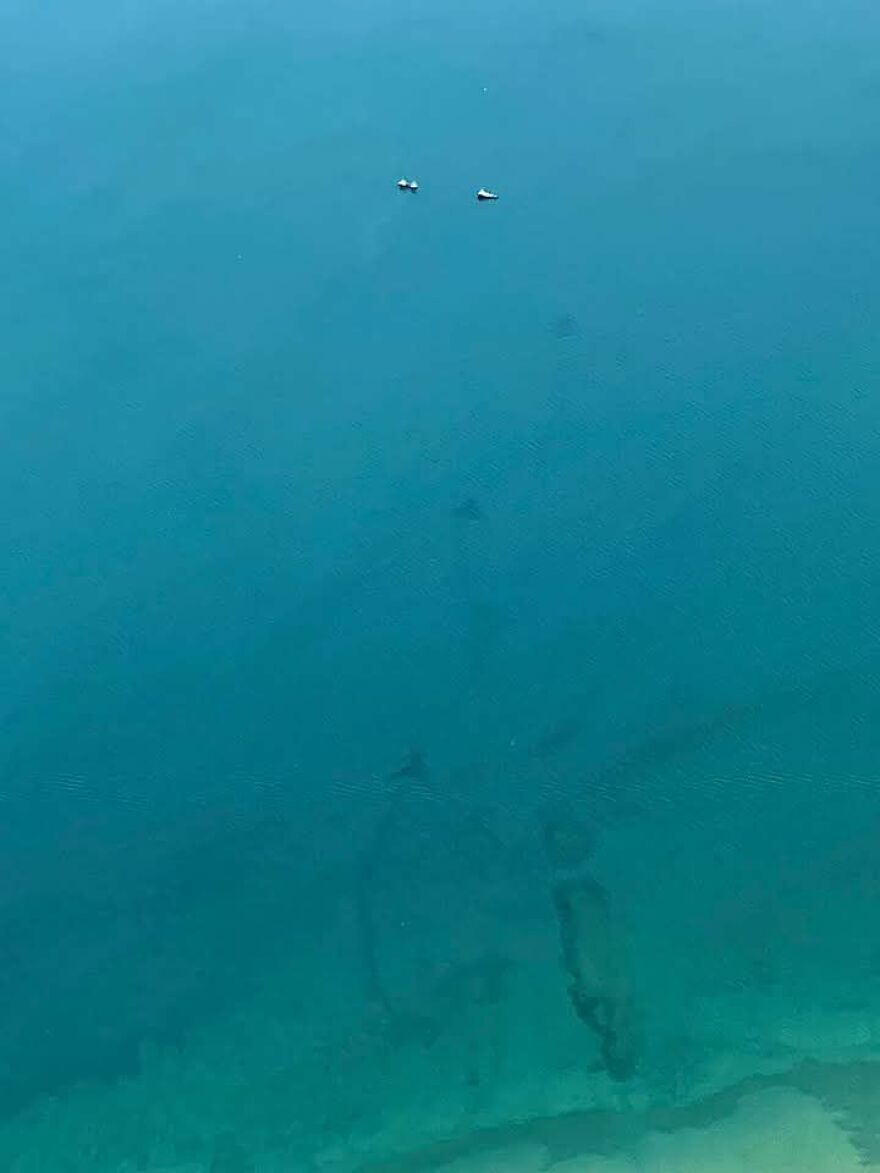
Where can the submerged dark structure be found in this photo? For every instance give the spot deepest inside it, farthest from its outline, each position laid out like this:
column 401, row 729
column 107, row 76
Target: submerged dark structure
column 468, row 510
column 593, row 953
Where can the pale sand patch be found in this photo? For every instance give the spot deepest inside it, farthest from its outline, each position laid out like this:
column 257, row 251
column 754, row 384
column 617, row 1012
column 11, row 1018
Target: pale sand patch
column 775, row 1131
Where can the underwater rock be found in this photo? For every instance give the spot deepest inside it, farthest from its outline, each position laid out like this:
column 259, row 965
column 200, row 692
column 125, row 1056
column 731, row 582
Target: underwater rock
column 565, row 326
column 468, row 510
column 592, row 950
column 599, row 987
column 414, row 767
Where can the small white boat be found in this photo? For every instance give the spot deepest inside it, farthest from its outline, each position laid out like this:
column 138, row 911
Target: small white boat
column 407, row 185
column 483, row 194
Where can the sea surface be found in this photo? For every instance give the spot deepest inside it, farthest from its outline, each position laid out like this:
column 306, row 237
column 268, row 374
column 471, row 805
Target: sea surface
column 351, row 538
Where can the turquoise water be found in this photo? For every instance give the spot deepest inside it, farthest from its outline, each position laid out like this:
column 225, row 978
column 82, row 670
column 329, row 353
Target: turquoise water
column 348, row 535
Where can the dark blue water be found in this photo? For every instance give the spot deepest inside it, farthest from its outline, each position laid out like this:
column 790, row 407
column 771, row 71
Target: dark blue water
column 349, row 536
